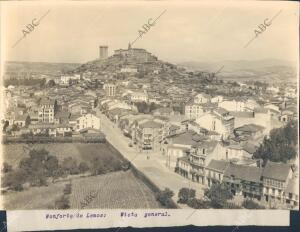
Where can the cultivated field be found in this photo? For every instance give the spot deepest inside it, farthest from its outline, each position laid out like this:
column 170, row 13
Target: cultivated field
column 13, row 153
column 34, row 198
column 114, row 190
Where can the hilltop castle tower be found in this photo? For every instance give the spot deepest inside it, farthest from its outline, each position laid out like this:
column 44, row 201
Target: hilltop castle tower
column 103, row 52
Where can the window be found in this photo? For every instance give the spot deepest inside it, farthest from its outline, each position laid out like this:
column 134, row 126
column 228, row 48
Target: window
column 214, row 125
column 203, row 151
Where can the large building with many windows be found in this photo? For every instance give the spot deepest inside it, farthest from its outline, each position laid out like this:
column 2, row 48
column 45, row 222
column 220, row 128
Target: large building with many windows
column 47, row 110
column 110, row 89
column 88, row 121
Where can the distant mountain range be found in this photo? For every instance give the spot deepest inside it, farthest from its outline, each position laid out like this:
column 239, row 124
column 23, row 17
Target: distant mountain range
column 39, row 67
column 269, row 70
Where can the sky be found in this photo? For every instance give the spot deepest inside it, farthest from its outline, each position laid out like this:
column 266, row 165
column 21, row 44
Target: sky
column 190, row 31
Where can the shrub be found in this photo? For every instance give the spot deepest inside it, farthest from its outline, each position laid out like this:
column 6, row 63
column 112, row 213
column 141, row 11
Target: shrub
column 164, row 197
column 68, row 189
column 14, row 180
column 6, row 167
column 198, row 203
column 38, row 166
column 69, row 165
column 218, row 195
column 62, row 203
column 250, row 204
column 83, row 167
column 185, row 194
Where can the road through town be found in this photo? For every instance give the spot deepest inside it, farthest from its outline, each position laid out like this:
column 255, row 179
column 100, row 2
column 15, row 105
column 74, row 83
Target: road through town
column 154, row 167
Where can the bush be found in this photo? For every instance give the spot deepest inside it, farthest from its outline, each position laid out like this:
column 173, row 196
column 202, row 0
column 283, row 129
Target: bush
column 69, row 165
column 14, row 180
column 6, row 168
column 62, row 203
column 165, row 198
column 83, row 167
column 97, row 167
column 198, row 203
column 185, row 194
column 68, row 189
column 218, row 195
column 250, row 204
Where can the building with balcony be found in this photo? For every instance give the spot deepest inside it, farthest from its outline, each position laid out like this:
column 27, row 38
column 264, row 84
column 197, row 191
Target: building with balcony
column 215, row 171
column 148, row 135
column 244, row 180
column 275, row 179
column 196, row 157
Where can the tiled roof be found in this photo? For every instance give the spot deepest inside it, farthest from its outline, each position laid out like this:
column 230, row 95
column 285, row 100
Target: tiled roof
column 46, row 101
column 218, row 165
column 241, row 114
column 185, row 138
column 249, row 147
column 151, row 124
column 277, row 171
column 243, row 172
column 221, row 111
column 21, row 117
column 260, row 110
column 250, row 128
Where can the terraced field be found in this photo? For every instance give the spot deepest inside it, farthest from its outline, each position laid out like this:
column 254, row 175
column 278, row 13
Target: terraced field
column 113, row 190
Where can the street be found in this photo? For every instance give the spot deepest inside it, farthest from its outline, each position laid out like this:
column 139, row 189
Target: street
column 154, row 167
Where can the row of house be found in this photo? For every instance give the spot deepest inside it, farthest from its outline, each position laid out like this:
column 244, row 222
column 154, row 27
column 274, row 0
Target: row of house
column 274, row 183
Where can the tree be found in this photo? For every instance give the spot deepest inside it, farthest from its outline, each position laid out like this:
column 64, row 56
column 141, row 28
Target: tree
column 5, row 125
column 42, row 82
column 6, row 167
column 281, row 145
column 153, row 106
column 142, row 107
column 197, row 203
column 39, row 166
column 164, row 197
column 69, row 165
column 14, row 180
column 218, row 195
column 62, row 203
column 51, row 83
column 83, row 167
column 185, row 194
column 68, row 189
column 97, row 167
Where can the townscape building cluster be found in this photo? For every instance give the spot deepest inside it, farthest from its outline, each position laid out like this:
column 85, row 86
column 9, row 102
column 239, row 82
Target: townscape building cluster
column 205, row 136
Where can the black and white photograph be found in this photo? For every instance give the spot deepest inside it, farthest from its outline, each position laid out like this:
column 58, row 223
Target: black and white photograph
column 149, row 105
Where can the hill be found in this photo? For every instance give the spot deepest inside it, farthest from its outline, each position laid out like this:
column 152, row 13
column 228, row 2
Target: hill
column 269, row 70
column 39, row 67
